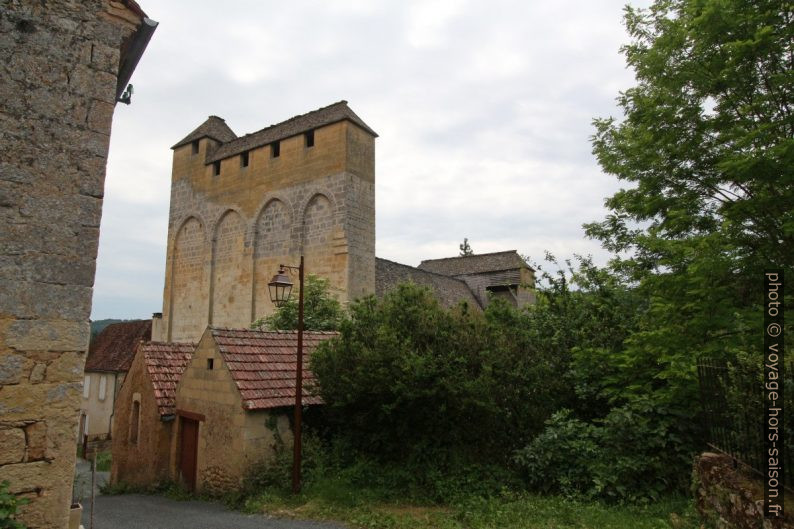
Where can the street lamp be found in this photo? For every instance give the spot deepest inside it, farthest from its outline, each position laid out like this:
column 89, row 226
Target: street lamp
column 280, row 288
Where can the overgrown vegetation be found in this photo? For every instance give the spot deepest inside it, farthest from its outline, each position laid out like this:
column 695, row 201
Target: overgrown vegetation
column 9, row 507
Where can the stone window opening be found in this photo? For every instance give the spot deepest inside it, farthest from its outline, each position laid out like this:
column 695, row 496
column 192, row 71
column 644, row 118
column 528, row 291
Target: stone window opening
column 194, row 147
column 507, row 291
column 244, row 160
column 210, row 363
column 86, row 386
column 309, row 137
column 216, row 168
column 275, row 149
column 135, row 418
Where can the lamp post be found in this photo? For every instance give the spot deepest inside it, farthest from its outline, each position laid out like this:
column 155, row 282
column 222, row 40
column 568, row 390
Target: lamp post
column 280, row 288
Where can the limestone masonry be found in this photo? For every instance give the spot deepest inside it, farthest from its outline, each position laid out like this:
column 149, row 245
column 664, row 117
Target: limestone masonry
column 64, row 65
column 242, row 206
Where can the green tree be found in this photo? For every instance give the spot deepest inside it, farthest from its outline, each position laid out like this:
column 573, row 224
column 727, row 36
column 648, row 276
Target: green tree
column 465, row 248
column 707, row 138
column 706, row 146
column 321, row 310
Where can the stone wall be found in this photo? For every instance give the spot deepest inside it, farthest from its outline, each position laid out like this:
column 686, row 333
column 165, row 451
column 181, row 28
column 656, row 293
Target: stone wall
column 58, row 77
column 144, row 461
column 731, row 498
column 479, row 283
column 229, row 232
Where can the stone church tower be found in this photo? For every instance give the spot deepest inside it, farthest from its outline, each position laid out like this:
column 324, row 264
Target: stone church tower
column 240, row 206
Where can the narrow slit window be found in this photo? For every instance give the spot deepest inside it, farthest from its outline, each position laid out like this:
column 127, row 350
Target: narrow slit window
column 210, row 363
column 244, row 159
column 309, row 138
column 195, row 146
column 216, row 168
column 135, row 418
column 275, row 149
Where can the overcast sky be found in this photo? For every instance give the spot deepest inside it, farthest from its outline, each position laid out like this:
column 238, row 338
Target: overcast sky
column 483, row 109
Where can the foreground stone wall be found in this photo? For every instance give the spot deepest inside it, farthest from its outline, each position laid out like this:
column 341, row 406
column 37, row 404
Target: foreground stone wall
column 57, row 94
column 728, row 498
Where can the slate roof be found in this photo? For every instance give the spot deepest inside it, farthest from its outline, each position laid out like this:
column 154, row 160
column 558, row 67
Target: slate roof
column 448, row 290
column 165, row 363
column 291, row 127
column 114, row 348
column 263, row 364
column 475, row 264
column 214, row 127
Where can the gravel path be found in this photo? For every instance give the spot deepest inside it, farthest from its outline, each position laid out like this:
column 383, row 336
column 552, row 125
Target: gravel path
column 135, row 511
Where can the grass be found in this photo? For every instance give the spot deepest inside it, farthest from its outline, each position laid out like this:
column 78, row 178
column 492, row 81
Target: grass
column 103, row 461
column 362, row 509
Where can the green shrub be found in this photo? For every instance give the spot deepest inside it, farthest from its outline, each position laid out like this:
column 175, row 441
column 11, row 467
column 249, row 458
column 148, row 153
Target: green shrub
column 634, row 454
column 562, row 457
column 410, row 383
column 9, row 505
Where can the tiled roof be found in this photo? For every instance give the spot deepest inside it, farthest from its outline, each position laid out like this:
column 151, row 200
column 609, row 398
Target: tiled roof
column 263, row 363
column 448, row 290
column 165, row 363
column 291, row 127
column 114, row 347
column 474, row 264
column 215, row 128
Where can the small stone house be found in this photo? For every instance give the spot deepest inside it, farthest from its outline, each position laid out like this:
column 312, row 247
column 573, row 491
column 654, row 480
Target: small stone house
column 225, row 407
column 234, row 403
column 109, row 357
column 143, row 422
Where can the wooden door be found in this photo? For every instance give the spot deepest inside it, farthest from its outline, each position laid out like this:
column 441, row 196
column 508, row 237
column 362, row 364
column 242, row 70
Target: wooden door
column 188, row 452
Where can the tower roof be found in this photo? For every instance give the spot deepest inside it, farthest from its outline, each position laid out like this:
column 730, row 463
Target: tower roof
column 215, row 128
column 295, row 125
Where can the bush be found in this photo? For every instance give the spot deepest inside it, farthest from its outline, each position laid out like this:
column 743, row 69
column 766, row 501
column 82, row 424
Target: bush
column 410, row 383
column 562, row 457
column 634, row 454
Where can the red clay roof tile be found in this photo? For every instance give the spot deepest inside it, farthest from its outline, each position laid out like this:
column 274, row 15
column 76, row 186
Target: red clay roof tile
column 165, row 363
column 114, row 348
column 263, row 364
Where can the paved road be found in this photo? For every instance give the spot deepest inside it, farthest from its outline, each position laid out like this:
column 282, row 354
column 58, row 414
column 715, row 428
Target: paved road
column 135, row 511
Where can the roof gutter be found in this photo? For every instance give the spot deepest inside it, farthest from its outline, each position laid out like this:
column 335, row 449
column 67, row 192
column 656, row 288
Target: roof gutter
column 131, row 55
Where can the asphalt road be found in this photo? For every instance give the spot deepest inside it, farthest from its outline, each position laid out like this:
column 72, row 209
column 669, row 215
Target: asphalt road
column 135, row 511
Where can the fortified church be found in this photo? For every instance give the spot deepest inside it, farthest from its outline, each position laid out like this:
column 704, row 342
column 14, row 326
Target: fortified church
column 208, row 397
column 240, row 206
